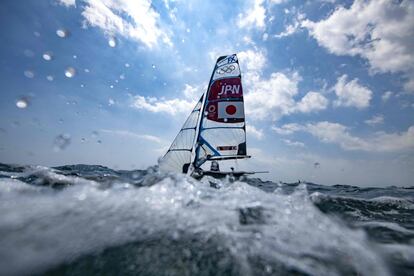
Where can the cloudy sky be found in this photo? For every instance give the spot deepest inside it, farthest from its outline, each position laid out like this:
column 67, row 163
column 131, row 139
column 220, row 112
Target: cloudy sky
column 329, row 85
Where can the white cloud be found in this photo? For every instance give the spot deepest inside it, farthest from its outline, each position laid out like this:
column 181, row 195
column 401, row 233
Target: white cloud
column 169, row 106
column 287, row 129
column 386, row 96
column 289, row 30
column 156, row 105
column 293, row 27
column 375, row 120
column 128, row 133
column 380, row 31
column 379, row 142
column 351, row 93
column 273, row 97
column 293, row 143
column 409, row 85
column 67, row 3
column 312, row 101
column 253, row 131
column 254, row 16
column 251, row 61
column 277, row 2
column 191, row 92
column 338, row 134
column 134, row 19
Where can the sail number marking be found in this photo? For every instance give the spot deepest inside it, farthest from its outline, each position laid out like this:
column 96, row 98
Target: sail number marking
column 228, row 88
column 222, row 148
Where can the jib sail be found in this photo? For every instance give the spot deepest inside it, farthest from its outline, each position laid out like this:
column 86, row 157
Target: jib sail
column 222, row 130
column 178, row 156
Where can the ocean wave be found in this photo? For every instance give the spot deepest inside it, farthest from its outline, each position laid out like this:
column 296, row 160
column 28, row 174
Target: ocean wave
column 167, row 222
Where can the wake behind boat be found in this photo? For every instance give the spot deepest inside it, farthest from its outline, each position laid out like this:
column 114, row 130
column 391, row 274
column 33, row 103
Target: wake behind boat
column 215, row 130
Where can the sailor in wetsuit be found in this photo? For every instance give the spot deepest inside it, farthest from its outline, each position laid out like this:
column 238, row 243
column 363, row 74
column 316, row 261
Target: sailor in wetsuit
column 214, row 166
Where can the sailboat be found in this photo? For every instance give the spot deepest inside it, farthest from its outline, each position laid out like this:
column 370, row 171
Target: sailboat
column 215, row 130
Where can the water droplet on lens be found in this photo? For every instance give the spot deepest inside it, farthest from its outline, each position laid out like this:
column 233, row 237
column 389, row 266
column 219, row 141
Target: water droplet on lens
column 99, row 142
column 60, row 121
column 82, row 197
column 50, row 78
column 94, row 134
column 111, row 102
column 112, row 42
column 122, row 76
column 29, row 74
column 153, row 66
column 62, row 33
column 36, row 34
column 86, row 70
column 22, row 103
column 111, row 86
column 47, row 56
column 61, row 142
column 83, row 140
column 127, row 65
column 82, row 85
column 75, row 56
column 70, row 72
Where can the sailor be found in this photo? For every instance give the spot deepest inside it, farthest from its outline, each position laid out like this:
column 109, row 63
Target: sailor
column 214, row 166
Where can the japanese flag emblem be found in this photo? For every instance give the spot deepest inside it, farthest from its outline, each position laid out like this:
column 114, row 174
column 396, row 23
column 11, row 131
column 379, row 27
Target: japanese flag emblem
column 228, row 110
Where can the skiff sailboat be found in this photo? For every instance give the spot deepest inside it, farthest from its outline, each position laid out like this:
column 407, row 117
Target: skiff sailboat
column 215, row 130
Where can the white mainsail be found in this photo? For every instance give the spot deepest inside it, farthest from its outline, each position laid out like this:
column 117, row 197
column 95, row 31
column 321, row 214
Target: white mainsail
column 222, row 128
column 215, row 129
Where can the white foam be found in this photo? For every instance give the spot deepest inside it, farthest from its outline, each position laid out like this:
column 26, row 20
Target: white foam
column 390, row 225
column 403, row 203
column 317, row 197
column 43, row 229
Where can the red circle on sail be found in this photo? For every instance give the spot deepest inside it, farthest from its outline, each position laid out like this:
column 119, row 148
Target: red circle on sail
column 231, row 109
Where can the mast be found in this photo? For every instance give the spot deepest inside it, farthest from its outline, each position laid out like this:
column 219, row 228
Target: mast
column 200, row 121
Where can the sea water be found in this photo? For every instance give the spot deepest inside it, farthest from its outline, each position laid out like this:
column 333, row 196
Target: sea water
column 91, row 220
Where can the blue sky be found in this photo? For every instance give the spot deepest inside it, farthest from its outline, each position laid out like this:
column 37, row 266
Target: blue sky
column 325, row 81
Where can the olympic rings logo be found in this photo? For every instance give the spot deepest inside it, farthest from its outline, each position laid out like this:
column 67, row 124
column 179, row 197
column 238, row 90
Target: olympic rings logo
column 226, row 69
column 211, row 108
